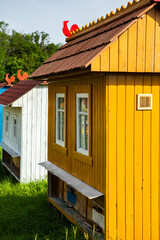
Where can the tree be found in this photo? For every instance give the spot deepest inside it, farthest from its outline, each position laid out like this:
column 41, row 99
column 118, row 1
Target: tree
column 3, row 47
column 23, row 51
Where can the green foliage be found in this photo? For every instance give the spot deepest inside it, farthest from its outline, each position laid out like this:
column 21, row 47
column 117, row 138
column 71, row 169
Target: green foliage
column 23, row 51
column 25, row 213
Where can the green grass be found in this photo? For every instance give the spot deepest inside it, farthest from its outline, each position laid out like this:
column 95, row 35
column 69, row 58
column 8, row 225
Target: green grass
column 25, row 212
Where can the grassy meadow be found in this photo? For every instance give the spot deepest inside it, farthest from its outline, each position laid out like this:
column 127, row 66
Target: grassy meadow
column 25, row 213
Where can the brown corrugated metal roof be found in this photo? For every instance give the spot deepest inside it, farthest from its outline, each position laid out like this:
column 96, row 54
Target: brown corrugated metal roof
column 104, row 29
column 79, row 52
column 17, row 91
column 2, row 85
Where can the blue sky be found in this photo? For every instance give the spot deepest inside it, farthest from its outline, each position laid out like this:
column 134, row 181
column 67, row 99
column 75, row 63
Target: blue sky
column 27, row 16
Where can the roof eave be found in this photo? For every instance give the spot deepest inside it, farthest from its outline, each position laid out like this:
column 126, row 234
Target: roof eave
column 84, row 69
column 11, row 102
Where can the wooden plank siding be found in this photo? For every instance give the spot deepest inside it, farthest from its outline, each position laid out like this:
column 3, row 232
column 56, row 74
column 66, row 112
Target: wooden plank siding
column 136, row 50
column 132, row 158
column 93, row 174
column 125, row 154
column 8, row 138
column 33, row 132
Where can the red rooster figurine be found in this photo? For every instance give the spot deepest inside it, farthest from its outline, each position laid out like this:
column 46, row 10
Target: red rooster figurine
column 66, row 30
column 22, row 77
column 9, row 80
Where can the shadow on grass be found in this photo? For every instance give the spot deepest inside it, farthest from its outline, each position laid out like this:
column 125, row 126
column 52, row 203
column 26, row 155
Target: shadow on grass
column 4, row 174
column 25, row 212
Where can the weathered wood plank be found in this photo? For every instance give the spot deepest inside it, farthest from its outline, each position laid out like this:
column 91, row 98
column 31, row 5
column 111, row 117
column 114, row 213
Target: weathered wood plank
column 123, row 52
column 146, row 178
column 155, row 154
column 9, row 150
column 150, row 41
column 113, row 53
column 132, row 48
column 121, row 158
column 138, row 163
column 72, row 181
column 130, row 108
column 112, row 156
column 75, row 217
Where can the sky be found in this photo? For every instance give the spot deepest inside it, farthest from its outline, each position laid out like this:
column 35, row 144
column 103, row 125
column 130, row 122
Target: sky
column 27, row 16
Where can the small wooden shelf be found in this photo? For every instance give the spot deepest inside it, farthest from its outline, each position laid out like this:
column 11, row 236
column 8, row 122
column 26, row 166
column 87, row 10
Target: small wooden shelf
column 83, row 158
column 74, row 217
column 60, row 149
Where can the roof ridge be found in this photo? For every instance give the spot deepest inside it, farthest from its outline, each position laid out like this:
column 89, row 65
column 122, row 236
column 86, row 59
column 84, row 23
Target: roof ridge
column 120, row 12
column 82, row 54
column 96, row 34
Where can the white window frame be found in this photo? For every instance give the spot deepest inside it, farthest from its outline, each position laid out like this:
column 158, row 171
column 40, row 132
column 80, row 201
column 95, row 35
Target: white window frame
column 78, row 97
column 60, row 142
column 14, row 126
column 7, row 121
column 138, row 102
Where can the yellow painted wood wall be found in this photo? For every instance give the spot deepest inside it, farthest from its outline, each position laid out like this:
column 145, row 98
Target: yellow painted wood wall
column 127, row 139
column 132, row 150
column 136, row 50
column 132, row 158
column 93, row 175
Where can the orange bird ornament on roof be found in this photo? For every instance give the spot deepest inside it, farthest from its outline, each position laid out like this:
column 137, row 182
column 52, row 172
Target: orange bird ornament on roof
column 22, row 77
column 65, row 29
column 9, row 80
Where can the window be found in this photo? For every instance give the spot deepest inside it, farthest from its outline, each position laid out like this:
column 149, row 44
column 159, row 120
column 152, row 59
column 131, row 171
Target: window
column 60, row 119
column 7, row 124
column 14, row 127
column 82, row 120
column 144, row 102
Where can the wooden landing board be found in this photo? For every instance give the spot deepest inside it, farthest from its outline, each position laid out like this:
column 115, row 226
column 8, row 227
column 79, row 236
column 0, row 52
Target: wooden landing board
column 9, row 150
column 72, row 181
column 75, row 217
column 10, row 171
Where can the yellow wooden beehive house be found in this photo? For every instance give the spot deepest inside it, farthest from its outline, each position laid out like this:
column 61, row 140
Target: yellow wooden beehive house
column 104, row 124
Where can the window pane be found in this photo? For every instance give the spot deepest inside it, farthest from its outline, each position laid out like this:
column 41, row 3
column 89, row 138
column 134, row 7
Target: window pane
column 82, row 138
column 63, row 126
column 7, row 126
column 14, row 127
column 14, row 131
column 86, row 134
column 83, row 119
column 82, row 123
column 59, row 125
column 7, row 120
column 61, row 103
column 83, row 104
column 60, row 114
